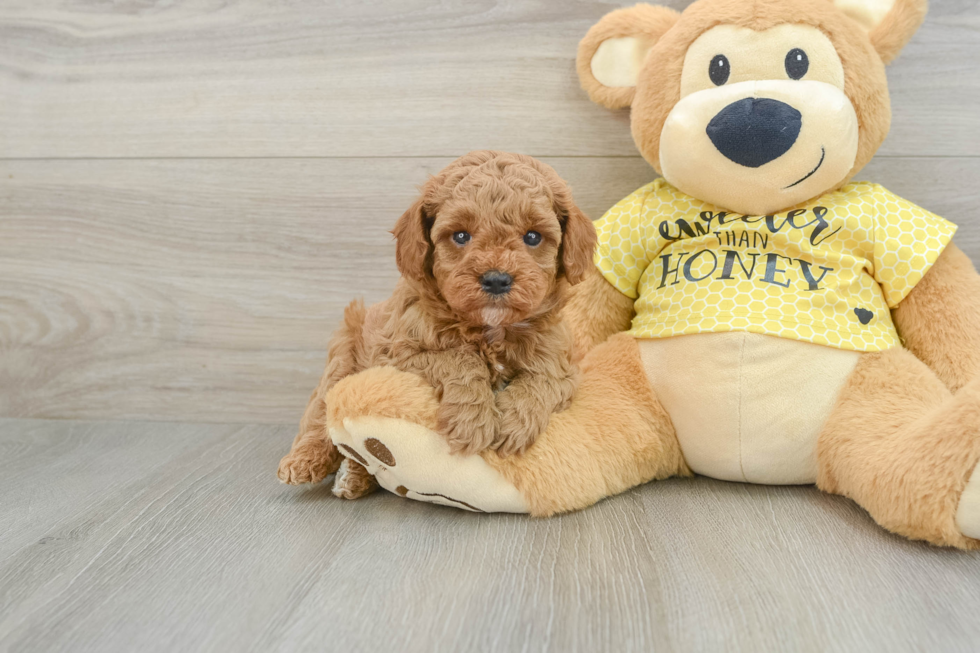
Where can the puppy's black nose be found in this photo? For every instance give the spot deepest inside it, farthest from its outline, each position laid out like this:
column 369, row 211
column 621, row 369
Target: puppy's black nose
column 496, row 282
column 754, row 131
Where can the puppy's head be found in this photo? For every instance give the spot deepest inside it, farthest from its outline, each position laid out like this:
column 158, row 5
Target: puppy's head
column 496, row 235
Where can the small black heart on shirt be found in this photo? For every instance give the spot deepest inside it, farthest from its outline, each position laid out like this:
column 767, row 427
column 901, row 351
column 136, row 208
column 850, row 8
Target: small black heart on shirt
column 864, row 315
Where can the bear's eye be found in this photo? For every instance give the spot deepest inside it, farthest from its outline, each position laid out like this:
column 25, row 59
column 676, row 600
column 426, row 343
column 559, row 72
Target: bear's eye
column 532, row 239
column 797, row 63
column 720, row 70
column 461, row 237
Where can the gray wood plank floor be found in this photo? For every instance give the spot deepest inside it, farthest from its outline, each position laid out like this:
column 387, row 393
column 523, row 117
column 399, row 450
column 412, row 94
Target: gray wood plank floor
column 140, row 536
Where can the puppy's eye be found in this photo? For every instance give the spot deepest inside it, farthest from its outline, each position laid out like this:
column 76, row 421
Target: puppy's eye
column 461, row 237
column 720, row 70
column 797, row 63
column 532, row 239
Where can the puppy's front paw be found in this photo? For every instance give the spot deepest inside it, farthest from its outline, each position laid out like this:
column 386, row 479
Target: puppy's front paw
column 469, row 428
column 516, row 436
column 520, row 425
column 310, row 462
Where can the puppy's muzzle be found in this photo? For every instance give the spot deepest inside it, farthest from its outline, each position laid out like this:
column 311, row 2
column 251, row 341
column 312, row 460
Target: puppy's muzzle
column 496, row 283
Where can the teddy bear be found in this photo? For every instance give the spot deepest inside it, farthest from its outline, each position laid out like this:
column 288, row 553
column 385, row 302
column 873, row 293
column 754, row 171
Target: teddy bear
column 755, row 314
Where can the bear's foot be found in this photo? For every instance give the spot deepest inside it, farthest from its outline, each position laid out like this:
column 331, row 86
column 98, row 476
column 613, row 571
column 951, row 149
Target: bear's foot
column 413, row 461
column 968, row 511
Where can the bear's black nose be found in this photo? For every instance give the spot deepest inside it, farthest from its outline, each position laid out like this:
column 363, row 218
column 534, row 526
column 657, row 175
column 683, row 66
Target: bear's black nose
column 496, row 282
column 754, row 131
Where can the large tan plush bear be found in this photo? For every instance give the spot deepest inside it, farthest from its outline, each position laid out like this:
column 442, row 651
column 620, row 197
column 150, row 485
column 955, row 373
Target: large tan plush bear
column 754, row 314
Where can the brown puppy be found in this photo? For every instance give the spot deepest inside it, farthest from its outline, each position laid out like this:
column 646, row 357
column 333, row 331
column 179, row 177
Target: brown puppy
column 486, row 255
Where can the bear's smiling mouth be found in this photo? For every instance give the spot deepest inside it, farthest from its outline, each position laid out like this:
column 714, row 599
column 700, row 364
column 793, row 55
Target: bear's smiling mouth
column 823, row 156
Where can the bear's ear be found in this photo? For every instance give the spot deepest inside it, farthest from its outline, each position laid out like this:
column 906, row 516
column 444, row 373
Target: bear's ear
column 611, row 54
column 890, row 23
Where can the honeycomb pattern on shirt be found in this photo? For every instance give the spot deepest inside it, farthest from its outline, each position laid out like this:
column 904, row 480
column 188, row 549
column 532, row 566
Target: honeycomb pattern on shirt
column 827, row 271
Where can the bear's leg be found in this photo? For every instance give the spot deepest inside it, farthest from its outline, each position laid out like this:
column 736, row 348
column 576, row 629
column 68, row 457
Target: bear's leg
column 904, row 447
column 614, row 435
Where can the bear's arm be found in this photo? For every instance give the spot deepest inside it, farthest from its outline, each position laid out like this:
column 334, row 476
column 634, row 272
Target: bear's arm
column 596, row 311
column 939, row 320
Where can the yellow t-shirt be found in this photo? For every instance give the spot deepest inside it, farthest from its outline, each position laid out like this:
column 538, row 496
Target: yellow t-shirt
column 825, row 272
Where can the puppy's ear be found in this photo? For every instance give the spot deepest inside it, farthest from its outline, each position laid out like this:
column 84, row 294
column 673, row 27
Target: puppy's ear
column 890, row 23
column 578, row 246
column 578, row 237
column 611, row 54
column 413, row 246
